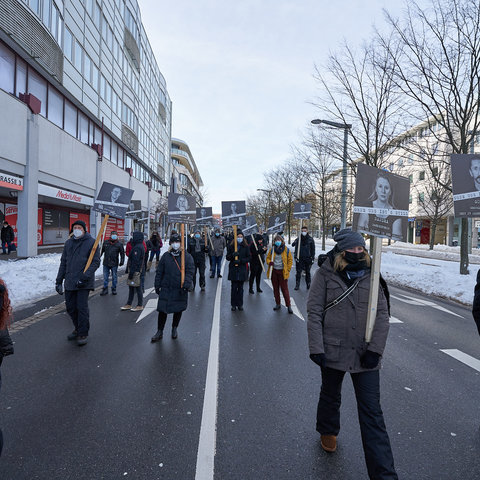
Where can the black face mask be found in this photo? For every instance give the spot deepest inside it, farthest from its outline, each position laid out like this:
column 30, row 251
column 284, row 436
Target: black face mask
column 352, row 258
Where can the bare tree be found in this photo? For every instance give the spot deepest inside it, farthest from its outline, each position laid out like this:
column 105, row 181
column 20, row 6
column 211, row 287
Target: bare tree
column 438, row 69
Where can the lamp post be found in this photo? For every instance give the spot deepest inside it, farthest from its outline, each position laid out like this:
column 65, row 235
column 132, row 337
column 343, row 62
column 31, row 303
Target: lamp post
column 346, row 127
column 268, row 192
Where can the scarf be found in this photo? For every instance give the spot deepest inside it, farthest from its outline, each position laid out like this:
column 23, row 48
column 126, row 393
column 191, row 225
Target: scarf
column 279, row 250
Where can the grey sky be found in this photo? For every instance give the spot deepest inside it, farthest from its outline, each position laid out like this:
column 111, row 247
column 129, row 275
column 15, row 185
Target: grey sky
column 239, row 74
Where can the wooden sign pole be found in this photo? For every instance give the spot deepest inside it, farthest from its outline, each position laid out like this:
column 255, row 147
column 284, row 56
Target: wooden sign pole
column 299, row 239
column 259, row 257
column 374, row 284
column 97, row 240
column 182, row 247
column 235, row 243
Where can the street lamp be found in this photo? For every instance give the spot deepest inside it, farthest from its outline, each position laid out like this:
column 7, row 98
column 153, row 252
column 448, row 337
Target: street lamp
column 346, row 127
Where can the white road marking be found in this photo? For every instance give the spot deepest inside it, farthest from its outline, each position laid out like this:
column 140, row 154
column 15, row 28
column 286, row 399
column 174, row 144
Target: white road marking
column 295, row 309
column 148, row 291
column 149, row 308
column 208, row 427
column 423, row 303
column 464, row 358
column 395, row 320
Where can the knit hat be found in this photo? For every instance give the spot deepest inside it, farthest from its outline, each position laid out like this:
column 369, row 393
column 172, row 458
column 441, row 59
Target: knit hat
column 239, row 232
column 175, row 238
column 81, row 223
column 346, row 239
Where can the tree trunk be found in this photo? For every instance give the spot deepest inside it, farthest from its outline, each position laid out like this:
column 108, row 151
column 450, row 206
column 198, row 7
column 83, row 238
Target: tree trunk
column 323, row 235
column 432, row 234
column 464, row 248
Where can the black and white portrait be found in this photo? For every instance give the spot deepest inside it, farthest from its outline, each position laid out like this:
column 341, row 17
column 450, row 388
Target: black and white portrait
column 381, row 203
column 276, row 223
column 205, row 216
column 233, row 213
column 181, row 208
column 466, row 184
column 113, row 200
column 251, row 226
column 302, row 210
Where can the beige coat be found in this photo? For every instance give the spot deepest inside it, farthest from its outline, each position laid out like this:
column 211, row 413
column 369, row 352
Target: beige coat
column 341, row 334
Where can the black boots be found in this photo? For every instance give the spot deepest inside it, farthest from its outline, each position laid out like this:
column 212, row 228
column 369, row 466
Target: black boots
column 72, row 336
column 251, row 290
column 277, row 307
column 158, row 336
column 297, row 286
column 104, row 291
column 174, row 333
column 114, row 291
column 289, row 308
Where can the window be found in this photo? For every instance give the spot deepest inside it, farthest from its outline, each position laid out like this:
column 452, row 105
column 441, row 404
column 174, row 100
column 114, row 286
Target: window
column 421, row 197
column 114, row 154
column 421, row 175
column 106, row 147
column 67, row 44
column 7, row 69
column 410, row 199
column 35, row 6
column 89, row 6
column 38, row 87
column 400, row 162
column 70, row 125
column 410, row 177
column 55, row 107
column 82, row 128
column 87, row 68
column 410, row 159
column 435, row 171
column 94, row 77
column 78, row 56
column 21, row 83
column 47, row 7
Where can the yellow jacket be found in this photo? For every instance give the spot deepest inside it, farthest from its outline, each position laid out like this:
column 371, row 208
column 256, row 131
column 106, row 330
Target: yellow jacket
column 287, row 258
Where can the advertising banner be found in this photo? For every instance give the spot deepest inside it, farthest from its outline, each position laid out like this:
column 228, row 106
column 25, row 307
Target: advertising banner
column 11, row 215
column 381, row 203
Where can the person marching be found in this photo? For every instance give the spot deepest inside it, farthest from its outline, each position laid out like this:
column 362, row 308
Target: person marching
column 336, row 337
column 172, row 295
column 305, row 260
column 197, row 249
column 280, row 258
column 219, row 243
column 77, row 282
column 258, row 259
column 6, row 344
column 237, row 269
column 135, row 269
column 154, row 244
column 112, row 249
column 8, row 236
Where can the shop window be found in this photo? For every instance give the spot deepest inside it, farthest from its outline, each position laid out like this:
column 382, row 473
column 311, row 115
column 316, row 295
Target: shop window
column 70, row 118
column 82, row 128
column 21, row 81
column 38, row 87
column 7, row 69
column 55, row 107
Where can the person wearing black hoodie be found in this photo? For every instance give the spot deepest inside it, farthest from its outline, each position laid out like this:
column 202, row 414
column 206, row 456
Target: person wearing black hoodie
column 197, row 249
column 78, row 282
column 238, row 269
column 257, row 260
column 305, row 260
column 135, row 268
column 112, row 249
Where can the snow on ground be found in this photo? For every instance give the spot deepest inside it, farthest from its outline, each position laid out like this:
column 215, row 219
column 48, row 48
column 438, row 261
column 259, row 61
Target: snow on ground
column 34, row 278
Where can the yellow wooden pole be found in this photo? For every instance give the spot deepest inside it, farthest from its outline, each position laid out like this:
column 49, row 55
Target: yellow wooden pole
column 97, row 241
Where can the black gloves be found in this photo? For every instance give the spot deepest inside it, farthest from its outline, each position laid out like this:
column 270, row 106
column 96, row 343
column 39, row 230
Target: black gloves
column 319, row 359
column 59, row 288
column 369, row 359
column 81, row 282
column 157, row 290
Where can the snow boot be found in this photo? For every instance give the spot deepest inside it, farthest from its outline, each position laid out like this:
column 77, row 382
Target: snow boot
column 81, row 341
column 158, row 336
column 277, row 307
column 149, row 266
column 289, row 308
column 114, row 291
column 297, row 286
column 174, row 333
column 104, row 291
column 72, row 336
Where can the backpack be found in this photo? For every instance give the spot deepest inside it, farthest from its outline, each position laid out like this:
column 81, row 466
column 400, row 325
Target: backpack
column 323, row 256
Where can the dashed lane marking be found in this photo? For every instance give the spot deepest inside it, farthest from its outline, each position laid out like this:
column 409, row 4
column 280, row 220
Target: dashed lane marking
column 395, row 320
column 423, row 303
column 149, row 308
column 295, row 309
column 464, row 358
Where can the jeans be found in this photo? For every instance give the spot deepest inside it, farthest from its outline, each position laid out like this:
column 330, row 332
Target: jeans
column 237, row 294
column 376, row 444
column 154, row 253
column 278, row 282
column 106, row 274
column 216, row 263
column 76, row 303
column 6, row 246
column 131, row 294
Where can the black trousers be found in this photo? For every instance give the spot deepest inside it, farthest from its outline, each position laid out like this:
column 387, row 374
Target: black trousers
column 131, row 294
column 162, row 319
column 255, row 276
column 305, row 265
column 200, row 268
column 376, row 444
column 76, row 302
column 236, row 298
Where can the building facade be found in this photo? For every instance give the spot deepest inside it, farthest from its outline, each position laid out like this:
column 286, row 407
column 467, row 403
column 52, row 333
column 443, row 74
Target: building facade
column 185, row 177
column 83, row 101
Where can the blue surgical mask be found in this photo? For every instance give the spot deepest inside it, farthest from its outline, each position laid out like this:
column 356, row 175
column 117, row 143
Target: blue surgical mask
column 278, row 243
column 239, row 239
column 217, row 234
column 114, row 237
column 197, row 235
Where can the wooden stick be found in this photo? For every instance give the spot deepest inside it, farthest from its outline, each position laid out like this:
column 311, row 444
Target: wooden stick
column 299, row 239
column 259, row 257
column 235, row 243
column 270, row 267
column 182, row 245
column 95, row 245
column 374, row 284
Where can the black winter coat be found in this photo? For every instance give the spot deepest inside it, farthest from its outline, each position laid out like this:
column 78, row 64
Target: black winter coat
column 307, row 248
column 136, row 259
column 255, row 261
column 476, row 303
column 74, row 258
column 7, row 234
column 111, row 250
column 198, row 257
column 172, row 297
column 238, row 271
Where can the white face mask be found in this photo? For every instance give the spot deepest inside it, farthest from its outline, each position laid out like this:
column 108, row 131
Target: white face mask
column 77, row 232
column 240, row 239
column 175, row 245
column 304, row 233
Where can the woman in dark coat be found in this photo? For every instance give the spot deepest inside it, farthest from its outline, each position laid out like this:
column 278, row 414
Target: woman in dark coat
column 336, row 337
column 238, row 269
column 135, row 265
column 6, row 344
column 172, row 296
column 258, row 259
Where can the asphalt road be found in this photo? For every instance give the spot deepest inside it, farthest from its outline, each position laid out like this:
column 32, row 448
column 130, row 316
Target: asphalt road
column 122, row 407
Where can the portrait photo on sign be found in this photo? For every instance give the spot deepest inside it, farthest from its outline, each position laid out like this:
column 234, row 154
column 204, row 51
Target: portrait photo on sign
column 466, row 184
column 380, row 207
column 181, row 208
column 204, row 216
column 113, row 200
column 250, row 227
column 276, row 223
column 233, row 213
column 302, row 210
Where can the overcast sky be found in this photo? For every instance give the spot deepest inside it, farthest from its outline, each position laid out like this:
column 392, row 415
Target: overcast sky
column 239, row 73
